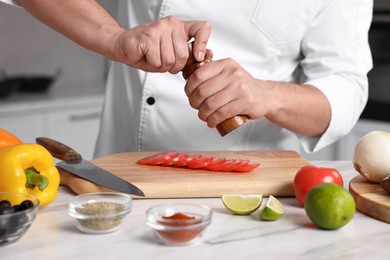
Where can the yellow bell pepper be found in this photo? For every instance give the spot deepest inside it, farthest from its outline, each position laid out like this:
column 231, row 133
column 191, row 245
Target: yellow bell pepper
column 29, row 169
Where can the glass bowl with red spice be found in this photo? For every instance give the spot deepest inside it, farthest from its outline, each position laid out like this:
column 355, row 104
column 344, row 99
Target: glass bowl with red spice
column 178, row 224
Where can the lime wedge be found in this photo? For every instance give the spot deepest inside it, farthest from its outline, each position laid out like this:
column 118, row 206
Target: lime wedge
column 273, row 209
column 242, row 204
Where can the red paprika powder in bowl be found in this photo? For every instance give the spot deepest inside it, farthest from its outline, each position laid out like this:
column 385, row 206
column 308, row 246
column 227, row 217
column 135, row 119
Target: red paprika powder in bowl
column 178, row 224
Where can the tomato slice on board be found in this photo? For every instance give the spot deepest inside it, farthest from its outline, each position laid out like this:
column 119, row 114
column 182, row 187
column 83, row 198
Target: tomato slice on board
column 179, row 160
column 158, row 159
column 199, row 163
column 247, row 168
column 221, row 166
column 234, row 165
column 166, row 158
column 184, row 161
column 170, row 160
column 215, row 164
column 173, row 158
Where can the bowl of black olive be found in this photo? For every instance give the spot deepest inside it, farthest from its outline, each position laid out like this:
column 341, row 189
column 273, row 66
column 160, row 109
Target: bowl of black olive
column 17, row 213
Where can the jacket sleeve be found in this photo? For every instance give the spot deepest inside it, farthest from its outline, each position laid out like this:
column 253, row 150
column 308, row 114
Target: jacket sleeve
column 337, row 58
column 11, row 2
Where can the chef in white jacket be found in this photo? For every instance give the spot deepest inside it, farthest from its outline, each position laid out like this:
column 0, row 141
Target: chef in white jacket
column 297, row 68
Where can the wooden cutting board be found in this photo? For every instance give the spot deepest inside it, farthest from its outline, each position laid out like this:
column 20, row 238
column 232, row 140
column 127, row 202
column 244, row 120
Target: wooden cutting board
column 371, row 199
column 273, row 177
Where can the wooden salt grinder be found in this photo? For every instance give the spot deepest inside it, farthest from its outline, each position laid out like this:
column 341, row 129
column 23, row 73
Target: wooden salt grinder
column 229, row 124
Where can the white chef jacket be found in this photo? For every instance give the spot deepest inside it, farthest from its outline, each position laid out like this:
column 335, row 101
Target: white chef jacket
column 323, row 43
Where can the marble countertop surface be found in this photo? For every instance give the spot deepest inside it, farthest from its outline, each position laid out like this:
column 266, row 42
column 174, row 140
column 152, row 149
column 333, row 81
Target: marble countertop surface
column 54, row 235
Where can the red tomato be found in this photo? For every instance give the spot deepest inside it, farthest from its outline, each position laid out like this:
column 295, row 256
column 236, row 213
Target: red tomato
column 219, row 166
column 247, row 168
column 235, row 164
column 214, row 163
column 199, row 163
column 180, row 160
column 163, row 158
column 224, row 166
column 309, row 176
column 175, row 159
column 184, row 161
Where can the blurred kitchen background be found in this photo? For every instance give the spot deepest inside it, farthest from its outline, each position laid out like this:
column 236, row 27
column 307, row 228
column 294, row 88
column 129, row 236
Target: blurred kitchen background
column 33, row 57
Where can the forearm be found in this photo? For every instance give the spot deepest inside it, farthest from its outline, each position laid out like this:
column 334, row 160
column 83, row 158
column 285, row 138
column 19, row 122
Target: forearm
column 84, row 22
column 299, row 108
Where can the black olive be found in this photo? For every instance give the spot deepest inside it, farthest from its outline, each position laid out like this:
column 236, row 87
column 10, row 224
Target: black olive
column 5, row 203
column 16, row 222
column 26, row 204
column 4, row 225
column 4, row 210
column 10, row 225
column 3, row 231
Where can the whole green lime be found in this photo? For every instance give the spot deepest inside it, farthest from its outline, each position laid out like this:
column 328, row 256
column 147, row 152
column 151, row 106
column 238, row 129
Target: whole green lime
column 329, row 206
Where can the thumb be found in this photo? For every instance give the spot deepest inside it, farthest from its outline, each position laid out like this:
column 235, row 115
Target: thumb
column 201, row 32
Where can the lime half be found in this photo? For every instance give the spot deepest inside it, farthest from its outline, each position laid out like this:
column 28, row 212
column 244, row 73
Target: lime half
column 242, row 204
column 273, row 209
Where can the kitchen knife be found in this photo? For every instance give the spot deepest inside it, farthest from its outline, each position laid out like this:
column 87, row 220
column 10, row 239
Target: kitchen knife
column 73, row 162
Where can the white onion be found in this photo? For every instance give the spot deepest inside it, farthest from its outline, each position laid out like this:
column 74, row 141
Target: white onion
column 372, row 156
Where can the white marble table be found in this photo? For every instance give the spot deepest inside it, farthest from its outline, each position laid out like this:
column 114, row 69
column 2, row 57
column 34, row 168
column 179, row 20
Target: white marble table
column 53, row 235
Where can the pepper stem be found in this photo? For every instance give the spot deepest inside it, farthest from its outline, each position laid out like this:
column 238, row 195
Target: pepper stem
column 33, row 178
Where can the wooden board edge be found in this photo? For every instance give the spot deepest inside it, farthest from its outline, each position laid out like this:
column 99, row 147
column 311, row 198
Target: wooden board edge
column 366, row 205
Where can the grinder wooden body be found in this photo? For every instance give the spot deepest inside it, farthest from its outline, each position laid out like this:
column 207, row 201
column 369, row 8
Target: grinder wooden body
column 229, row 124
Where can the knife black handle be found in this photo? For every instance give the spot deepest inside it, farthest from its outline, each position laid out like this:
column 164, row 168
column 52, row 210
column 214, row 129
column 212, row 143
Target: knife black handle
column 59, row 150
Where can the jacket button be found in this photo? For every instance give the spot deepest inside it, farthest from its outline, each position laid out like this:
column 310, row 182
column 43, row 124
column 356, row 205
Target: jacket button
column 150, row 100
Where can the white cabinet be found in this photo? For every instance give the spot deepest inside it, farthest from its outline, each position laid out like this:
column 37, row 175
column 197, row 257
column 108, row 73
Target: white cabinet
column 74, row 123
column 24, row 126
column 77, row 128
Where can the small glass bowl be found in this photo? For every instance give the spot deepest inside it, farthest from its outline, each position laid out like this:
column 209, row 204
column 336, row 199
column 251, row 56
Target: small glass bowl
column 14, row 224
column 100, row 212
column 178, row 224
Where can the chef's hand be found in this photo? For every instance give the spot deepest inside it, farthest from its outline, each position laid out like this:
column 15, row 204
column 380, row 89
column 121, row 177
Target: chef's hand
column 161, row 46
column 222, row 89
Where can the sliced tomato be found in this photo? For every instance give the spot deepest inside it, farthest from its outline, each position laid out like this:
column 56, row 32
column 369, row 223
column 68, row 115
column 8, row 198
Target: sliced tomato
column 184, row 161
column 196, row 161
column 221, row 166
column 247, row 168
column 171, row 159
column 179, row 160
column 234, row 165
column 199, row 163
column 214, row 163
column 159, row 159
column 215, row 167
column 166, row 159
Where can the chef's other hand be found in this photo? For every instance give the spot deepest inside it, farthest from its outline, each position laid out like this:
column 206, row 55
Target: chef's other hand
column 222, row 89
column 161, row 46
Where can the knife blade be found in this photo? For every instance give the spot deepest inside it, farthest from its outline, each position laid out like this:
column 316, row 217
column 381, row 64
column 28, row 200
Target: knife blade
column 73, row 162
